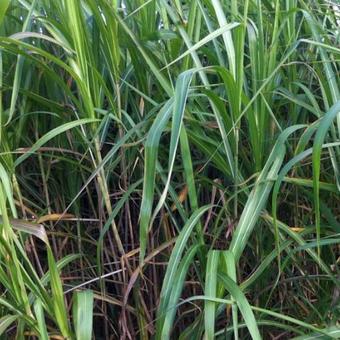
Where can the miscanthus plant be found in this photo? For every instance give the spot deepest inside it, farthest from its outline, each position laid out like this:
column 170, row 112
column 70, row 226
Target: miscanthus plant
column 169, row 169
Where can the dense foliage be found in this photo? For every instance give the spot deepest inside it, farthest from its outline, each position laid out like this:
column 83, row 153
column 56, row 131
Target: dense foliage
column 169, row 169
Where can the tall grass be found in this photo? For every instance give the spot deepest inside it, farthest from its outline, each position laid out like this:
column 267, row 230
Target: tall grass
column 169, row 169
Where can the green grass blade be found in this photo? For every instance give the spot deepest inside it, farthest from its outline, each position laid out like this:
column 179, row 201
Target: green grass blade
column 227, row 37
column 317, row 147
column 211, row 36
column 83, row 314
column 229, row 260
column 3, row 8
column 39, row 313
column 151, row 151
column 6, row 321
column 176, row 291
column 58, row 296
column 260, row 193
column 19, row 67
column 173, row 264
column 180, row 98
column 51, row 134
column 210, row 290
column 243, row 305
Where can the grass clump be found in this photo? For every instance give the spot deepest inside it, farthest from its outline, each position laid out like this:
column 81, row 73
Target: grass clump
column 169, row 169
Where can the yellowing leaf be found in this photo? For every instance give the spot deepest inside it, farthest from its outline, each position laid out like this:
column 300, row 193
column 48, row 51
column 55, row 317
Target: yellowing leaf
column 54, row 217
